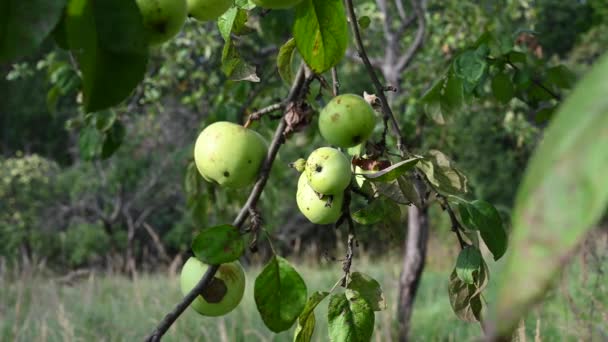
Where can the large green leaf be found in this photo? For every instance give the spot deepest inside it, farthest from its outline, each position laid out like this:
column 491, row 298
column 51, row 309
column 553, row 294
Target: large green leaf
column 481, row 215
column 563, row 194
column 350, row 318
column 280, row 294
column 369, row 288
column 218, row 245
column 321, row 33
column 24, row 24
column 108, row 40
column 306, row 320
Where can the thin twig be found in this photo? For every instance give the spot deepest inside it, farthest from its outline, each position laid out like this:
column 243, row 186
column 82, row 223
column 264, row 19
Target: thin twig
column 257, row 115
column 456, row 226
column 537, row 82
column 386, row 109
column 335, row 81
column 255, row 194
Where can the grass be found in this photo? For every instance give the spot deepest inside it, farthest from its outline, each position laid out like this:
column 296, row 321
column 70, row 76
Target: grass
column 115, row 308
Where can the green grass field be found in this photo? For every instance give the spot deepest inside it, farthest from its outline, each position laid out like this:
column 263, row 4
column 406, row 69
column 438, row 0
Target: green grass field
column 115, row 308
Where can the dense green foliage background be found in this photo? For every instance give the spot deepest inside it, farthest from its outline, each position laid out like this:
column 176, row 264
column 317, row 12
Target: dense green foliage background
column 63, row 202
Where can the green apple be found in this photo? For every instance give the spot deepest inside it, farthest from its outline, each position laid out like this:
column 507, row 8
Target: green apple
column 328, row 171
column 276, row 4
column 224, row 292
column 347, row 120
column 229, row 154
column 162, row 19
column 205, row 10
column 318, row 209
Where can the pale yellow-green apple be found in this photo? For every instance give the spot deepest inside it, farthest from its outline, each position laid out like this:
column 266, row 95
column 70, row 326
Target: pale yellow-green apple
column 206, row 10
column 224, row 292
column 162, row 19
column 347, row 120
column 328, row 171
column 318, row 209
column 229, row 154
column 276, row 4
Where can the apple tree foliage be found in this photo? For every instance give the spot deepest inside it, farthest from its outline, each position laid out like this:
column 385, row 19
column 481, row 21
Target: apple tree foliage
column 563, row 193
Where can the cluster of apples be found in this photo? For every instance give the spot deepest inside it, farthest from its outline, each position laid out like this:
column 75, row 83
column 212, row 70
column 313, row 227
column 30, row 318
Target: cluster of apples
column 231, row 155
column 347, row 120
column 163, row 19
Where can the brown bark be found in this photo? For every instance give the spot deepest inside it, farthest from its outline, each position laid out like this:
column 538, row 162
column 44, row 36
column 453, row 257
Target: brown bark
column 413, row 264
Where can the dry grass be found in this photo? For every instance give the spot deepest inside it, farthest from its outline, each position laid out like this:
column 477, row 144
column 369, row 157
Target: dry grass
column 114, row 308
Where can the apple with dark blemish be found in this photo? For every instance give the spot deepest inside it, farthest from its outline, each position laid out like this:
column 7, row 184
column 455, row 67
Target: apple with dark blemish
column 206, row 10
column 229, row 154
column 328, row 171
column 318, row 209
column 224, row 292
column 162, row 19
column 347, row 120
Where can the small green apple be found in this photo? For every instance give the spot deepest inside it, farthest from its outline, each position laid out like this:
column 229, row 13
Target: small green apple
column 205, row 10
column 162, row 19
column 229, row 154
column 347, row 120
column 328, row 171
column 276, row 4
column 224, row 292
column 318, row 209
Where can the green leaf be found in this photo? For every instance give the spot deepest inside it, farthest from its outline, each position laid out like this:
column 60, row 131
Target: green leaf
column 234, row 66
column 285, row 60
column 192, row 180
column 369, row 289
column 377, row 211
column 218, row 245
column 431, row 101
column 392, row 172
column 25, row 24
column 280, row 294
column 104, row 120
column 517, row 57
column 561, row 77
column 113, row 139
column 90, row 143
column 452, row 95
column 502, row 88
column 306, row 320
column 481, row 215
column 440, row 171
column 470, row 67
column 321, row 33
column 468, row 262
column 350, row 318
column 108, row 40
column 409, row 191
column 232, row 22
column 563, row 195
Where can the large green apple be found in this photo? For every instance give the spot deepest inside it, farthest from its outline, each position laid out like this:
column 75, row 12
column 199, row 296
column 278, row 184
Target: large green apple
column 276, row 4
column 328, row 171
column 205, row 10
column 229, row 154
column 347, row 120
column 224, row 292
column 162, row 19
column 319, row 210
